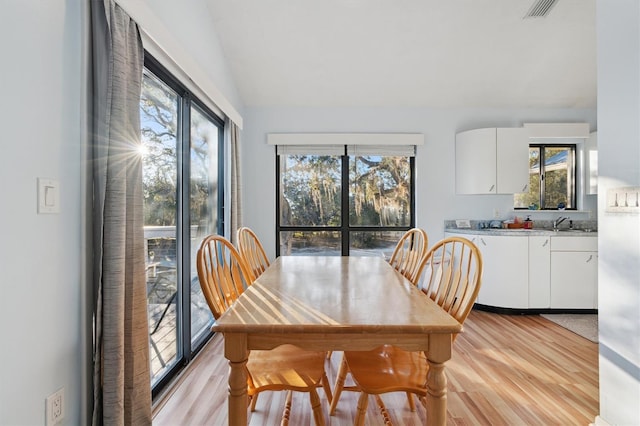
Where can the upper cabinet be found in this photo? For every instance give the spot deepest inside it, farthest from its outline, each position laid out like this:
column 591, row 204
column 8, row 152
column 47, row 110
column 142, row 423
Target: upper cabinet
column 492, row 161
column 591, row 164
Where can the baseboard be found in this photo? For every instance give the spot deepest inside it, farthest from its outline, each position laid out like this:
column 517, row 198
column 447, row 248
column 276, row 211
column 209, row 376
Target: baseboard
column 599, row 422
column 532, row 311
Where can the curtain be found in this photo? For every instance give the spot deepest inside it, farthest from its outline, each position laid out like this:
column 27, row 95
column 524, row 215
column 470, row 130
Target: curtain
column 121, row 379
column 235, row 183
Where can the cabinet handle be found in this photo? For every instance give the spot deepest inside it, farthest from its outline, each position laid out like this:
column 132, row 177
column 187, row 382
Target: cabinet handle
column 491, row 189
column 545, row 243
column 590, row 258
column 524, row 188
column 483, row 243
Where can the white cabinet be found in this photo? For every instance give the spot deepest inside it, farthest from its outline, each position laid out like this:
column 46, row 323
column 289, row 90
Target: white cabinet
column 539, row 272
column 505, row 270
column 492, row 161
column 574, row 273
column 591, row 164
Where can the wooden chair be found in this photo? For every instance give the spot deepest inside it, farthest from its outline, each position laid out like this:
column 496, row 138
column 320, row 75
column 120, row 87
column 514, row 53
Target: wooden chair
column 453, row 271
column 252, row 251
column 409, row 252
column 223, row 277
column 406, row 259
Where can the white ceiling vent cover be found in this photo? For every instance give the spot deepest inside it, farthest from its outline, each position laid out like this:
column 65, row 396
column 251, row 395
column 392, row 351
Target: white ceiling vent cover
column 540, row 8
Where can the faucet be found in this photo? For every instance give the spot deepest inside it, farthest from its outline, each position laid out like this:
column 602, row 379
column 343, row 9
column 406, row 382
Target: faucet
column 558, row 221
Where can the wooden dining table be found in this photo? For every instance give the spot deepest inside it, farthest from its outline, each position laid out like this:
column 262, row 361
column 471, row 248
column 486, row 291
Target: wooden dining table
column 335, row 303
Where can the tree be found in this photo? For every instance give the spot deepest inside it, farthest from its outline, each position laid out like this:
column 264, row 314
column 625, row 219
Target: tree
column 159, row 123
column 379, row 193
column 158, row 118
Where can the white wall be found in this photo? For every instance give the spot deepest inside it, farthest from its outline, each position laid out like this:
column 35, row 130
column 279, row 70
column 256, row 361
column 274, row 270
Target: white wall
column 41, row 113
column 43, row 307
column 185, row 35
column 435, row 187
column 618, row 24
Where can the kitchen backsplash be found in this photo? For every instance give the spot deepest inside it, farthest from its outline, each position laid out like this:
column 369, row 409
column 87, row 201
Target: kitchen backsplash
column 539, row 224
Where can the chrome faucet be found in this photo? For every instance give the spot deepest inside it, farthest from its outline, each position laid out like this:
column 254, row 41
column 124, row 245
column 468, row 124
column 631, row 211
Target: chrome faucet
column 558, row 221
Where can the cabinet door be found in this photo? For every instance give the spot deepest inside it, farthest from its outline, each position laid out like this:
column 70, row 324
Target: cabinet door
column 505, row 277
column 476, row 162
column 539, row 272
column 512, row 160
column 574, row 279
column 474, row 239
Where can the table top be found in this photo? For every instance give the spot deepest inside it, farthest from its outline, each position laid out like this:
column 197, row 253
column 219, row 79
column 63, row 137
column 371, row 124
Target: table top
column 331, row 294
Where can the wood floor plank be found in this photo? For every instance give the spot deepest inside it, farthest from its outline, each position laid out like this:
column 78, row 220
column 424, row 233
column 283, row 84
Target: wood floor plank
column 505, row 370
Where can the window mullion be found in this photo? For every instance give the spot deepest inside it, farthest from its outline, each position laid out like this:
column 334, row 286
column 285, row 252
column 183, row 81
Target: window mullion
column 345, row 205
column 278, row 197
column 184, row 168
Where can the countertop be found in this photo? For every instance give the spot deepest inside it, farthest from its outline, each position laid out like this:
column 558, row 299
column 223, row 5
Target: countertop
column 525, row 232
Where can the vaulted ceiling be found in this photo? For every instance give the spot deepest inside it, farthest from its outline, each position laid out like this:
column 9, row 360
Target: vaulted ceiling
column 409, row 53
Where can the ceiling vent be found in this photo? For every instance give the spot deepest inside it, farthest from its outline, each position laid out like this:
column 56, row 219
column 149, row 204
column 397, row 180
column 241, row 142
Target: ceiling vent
column 540, row 8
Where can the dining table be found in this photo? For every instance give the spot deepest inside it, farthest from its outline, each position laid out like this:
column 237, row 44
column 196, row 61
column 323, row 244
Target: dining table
column 335, row 303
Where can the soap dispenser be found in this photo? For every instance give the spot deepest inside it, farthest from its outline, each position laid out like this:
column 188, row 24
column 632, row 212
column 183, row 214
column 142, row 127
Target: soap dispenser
column 528, row 223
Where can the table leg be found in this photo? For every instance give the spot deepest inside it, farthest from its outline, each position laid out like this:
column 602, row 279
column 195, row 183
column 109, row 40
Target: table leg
column 439, row 352
column 235, row 350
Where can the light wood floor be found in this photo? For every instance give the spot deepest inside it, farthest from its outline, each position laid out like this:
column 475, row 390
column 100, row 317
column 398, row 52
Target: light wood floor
column 505, row 370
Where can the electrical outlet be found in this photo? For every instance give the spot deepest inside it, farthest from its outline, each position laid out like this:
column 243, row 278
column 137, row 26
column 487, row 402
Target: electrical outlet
column 55, row 407
column 496, row 213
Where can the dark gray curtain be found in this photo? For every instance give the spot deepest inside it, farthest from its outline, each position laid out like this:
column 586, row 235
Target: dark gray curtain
column 122, row 389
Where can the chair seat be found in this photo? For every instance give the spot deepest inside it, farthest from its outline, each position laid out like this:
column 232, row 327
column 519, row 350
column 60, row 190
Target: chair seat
column 286, row 367
column 388, row 369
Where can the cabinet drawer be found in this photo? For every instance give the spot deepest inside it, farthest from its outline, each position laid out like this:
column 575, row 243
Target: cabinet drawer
column 574, row 243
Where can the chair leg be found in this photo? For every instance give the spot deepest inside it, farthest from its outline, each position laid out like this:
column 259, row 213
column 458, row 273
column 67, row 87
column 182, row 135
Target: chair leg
column 318, row 417
column 157, row 351
column 363, row 403
column 412, row 404
column 254, row 401
column 337, row 388
column 383, row 410
column 287, row 409
column 326, row 387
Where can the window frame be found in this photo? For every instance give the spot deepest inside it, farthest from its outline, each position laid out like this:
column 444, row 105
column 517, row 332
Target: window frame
column 573, row 147
column 186, row 100
column 345, row 228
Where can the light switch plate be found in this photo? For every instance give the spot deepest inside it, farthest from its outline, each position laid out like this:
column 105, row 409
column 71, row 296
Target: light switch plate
column 623, row 200
column 48, row 196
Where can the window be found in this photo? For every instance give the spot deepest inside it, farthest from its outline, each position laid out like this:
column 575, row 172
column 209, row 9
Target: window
column 343, row 200
column 182, row 169
column 552, row 182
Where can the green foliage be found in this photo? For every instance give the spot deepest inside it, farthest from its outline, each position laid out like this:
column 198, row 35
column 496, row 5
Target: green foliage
column 159, row 123
column 379, row 191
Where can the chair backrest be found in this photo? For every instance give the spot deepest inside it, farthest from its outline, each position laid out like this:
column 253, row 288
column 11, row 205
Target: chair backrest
column 252, row 251
column 222, row 273
column 409, row 253
column 453, row 275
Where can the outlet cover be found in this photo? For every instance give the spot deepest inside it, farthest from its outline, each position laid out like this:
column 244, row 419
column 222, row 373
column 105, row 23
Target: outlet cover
column 55, row 407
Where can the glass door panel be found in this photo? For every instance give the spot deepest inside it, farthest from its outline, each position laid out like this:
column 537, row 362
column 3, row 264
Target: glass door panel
column 203, row 209
column 158, row 116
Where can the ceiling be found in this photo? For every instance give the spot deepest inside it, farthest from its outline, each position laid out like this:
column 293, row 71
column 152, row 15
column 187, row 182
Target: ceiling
column 409, row 53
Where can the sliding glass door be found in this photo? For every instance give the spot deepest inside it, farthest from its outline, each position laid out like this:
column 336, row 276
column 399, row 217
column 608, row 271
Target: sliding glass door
column 182, row 181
